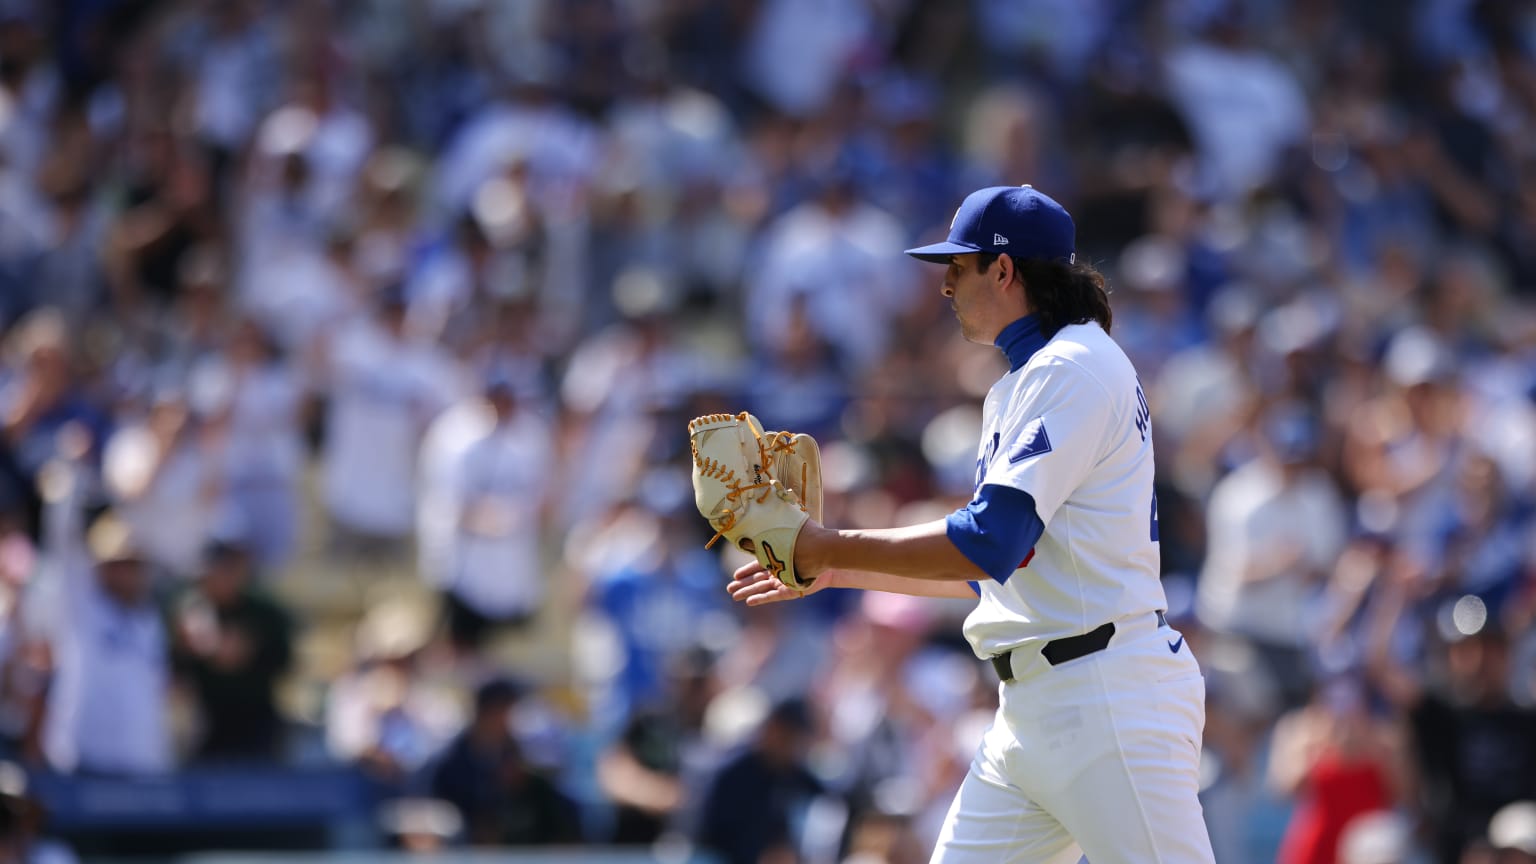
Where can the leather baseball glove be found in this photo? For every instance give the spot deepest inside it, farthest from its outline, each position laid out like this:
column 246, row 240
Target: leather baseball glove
column 756, row 488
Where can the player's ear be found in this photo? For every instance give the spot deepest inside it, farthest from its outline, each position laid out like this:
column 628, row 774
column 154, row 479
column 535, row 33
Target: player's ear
column 1005, row 272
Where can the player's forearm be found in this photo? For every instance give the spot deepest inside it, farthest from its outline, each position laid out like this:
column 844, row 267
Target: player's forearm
column 866, row 580
column 921, row 553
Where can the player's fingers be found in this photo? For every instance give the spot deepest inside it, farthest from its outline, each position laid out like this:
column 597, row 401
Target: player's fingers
column 749, row 570
column 778, row 592
column 749, row 588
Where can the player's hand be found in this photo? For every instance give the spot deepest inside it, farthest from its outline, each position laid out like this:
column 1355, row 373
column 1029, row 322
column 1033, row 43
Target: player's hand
column 753, row 585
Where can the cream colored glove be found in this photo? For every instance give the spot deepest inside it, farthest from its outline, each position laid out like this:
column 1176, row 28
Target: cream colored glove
column 756, row 488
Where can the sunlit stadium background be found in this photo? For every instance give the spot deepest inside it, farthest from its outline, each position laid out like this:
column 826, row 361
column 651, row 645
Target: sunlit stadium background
column 348, row 347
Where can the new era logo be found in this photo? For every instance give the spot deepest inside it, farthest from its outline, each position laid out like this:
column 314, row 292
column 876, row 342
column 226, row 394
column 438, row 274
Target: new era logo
column 999, row 240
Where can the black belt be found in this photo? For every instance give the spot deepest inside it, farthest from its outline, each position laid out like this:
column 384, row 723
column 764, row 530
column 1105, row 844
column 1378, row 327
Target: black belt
column 1059, row 651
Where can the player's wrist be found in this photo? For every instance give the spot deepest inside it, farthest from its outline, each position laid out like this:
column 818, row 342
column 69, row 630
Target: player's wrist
column 810, row 550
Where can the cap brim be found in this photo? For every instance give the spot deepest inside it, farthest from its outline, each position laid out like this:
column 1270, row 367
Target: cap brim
column 939, row 253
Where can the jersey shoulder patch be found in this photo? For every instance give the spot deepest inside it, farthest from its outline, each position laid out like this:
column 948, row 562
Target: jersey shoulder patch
column 1033, row 441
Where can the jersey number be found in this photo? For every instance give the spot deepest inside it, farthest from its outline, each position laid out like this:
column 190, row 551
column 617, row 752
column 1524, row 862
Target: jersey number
column 1154, row 517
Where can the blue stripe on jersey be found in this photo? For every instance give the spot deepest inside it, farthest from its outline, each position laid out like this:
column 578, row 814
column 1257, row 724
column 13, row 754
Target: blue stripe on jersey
column 1020, row 340
column 996, row 530
column 975, row 586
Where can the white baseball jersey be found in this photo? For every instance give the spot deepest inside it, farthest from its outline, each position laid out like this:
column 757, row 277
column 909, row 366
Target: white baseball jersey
column 1071, row 427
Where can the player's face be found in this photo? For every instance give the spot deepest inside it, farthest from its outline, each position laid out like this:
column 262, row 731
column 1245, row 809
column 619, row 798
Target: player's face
column 972, row 297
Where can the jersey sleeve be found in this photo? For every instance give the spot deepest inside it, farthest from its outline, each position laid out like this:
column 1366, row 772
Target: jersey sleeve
column 997, row 530
column 1052, row 435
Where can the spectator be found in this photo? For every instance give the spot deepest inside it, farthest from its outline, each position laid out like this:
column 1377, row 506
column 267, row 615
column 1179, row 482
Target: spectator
column 643, row 772
column 1153, row 321
column 231, row 49
column 108, row 702
column 385, row 388
column 250, row 397
column 1276, row 525
column 801, row 382
column 194, row 328
column 659, row 591
column 834, row 238
column 337, row 137
column 1239, row 149
column 497, row 253
column 754, row 803
column 233, row 645
column 389, row 715
column 669, row 209
column 72, row 266
column 42, row 398
column 165, row 483
column 167, row 212
column 798, row 72
column 441, row 458
column 876, row 716
column 498, row 502
column 1475, row 749
column 1340, row 763
column 1202, row 393
column 278, row 216
column 1403, row 444
column 505, row 801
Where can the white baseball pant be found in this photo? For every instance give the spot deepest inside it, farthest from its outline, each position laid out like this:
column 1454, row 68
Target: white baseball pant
column 1098, row 756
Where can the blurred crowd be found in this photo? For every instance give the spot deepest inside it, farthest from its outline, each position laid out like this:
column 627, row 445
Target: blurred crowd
column 296, row 286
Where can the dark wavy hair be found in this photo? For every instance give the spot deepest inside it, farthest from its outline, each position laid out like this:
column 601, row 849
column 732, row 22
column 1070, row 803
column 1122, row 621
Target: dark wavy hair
column 1059, row 293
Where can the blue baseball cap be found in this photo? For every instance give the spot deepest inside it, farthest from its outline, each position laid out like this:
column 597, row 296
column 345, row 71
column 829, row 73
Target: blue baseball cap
column 1015, row 220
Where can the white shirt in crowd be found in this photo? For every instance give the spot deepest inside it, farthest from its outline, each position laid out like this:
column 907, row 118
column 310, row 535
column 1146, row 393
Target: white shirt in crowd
column 1264, row 537
column 384, row 392
column 1200, row 388
column 261, row 405
column 1243, row 106
column 233, row 76
column 442, row 457
column 500, row 486
column 408, row 718
column 837, row 264
column 163, row 496
column 563, row 151
column 108, row 702
column 796, row 67
column 106, row 709
column 300, row 294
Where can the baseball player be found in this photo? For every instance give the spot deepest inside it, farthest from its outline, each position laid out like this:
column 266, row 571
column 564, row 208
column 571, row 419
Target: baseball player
column 1096, row 744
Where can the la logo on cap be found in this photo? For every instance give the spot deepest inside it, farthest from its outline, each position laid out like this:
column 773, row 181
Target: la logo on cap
column 999, row 240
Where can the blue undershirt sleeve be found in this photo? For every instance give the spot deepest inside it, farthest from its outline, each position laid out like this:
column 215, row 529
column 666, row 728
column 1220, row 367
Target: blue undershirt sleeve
column 996, row 530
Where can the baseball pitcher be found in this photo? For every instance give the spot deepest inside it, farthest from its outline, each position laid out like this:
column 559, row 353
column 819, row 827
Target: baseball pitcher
column 1095, row 748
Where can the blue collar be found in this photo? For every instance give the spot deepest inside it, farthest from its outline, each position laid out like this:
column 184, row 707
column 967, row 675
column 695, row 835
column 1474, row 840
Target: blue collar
column 1020, row 340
